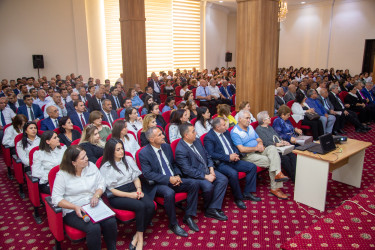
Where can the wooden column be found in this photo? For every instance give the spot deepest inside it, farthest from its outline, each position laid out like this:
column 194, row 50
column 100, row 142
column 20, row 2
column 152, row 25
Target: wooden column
column 257, row 48
column 133, row 42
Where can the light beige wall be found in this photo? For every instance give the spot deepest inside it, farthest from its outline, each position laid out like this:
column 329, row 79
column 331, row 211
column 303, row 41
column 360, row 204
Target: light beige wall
column 231, row 37
column 304, row 35
column 55, row 29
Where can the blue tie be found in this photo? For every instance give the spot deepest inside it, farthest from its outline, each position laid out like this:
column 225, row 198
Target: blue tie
column 56, row 124
column 226, row 144
column 2, row 118
column 164, row 164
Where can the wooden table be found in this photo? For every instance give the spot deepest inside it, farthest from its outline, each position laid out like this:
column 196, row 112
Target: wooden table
column 345, row 163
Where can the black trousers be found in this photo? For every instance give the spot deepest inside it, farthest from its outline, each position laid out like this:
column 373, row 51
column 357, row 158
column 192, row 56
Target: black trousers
column 211, row 105
column 316, row 127
column 351, row 117
column 93, row 231
column 289, row 163
column 144, row 208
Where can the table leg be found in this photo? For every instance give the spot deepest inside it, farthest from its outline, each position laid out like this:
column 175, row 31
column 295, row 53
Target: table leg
column 311, row 182
column 351, row 173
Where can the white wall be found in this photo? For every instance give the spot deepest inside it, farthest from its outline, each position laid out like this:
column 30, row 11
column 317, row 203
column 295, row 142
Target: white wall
column 304, row 35
column 55, row 29
column 231, row 37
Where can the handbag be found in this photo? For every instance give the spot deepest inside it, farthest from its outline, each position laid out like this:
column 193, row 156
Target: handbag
column 283, row 150
column 312, row 116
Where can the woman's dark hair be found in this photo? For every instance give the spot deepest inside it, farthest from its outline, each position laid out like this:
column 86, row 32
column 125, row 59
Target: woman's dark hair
column 283, row 110
column 47, row 135
column 109, row 151
column 117, row 128
column 176, row 119
column 168, row 100
column 129, row 93
column 17, row 122
column 145, row 104
column 190, row 104
column 71, row 154
column 184, row 84
column 25, row 142
column 152, row 107
column 62, row 122
column 186, row 95
column 200, row 112
column 128, row 112
column 299, row 97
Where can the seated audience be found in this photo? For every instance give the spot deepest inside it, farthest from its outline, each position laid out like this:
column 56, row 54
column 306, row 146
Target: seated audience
column 148, row 92
column 158, row 165
column 13, row 130
column 136, row 101
column 91, row 143
column 95, row 103
column 149, row 121
column 184, row 89
column 116, row 99
column 127, row 104
column 226, row 91
column 168, row 88
column 67, row 133
column 120, row 131
column 290, row 95
column 42, row 100
column 189, row 96
column 284, row 127
column 147, row 105
column 134, row 122
column 244, row 105
column 279, row 98
column 180, row 116
column 121, row 176
column 52, row 121
column 358, row 106
column 169, row 104
column 203, row 123
column 192, row 106
column 48, row 156
column 80, row 117
column 216, row 94
column 56, row 101
column 223, row 110
column 226, row 157
column 95, row 119
column 203, row 94
column 78, row 183
column 30, row 140
column 14, row 103
column 196, row 163
column 109, row 115
column 154, row 109
column 70, row 105
column 249, row 143
column 30, row 110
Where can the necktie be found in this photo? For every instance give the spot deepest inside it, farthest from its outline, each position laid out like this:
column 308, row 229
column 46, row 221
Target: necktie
column 100, row 102
column 226, row 91
column 198, row 154
column 83, row 121
column 56, row 123
column 339, row 100
column 204, row 88
column 164, row 164
column 109, row 118
column 226, row 144
column 117, row 103
column 2, row 118
column 32, row 114
column 65, row 101
column 134, row 127
column 326, row 104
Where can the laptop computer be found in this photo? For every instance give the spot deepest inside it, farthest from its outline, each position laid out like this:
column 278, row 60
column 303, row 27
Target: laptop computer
column 325, row 146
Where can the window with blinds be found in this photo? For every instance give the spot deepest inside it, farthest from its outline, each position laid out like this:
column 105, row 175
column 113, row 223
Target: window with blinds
column 172, row 36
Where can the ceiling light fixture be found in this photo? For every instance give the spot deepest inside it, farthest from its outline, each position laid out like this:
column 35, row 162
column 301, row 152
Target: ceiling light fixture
column 220, row 1
column 303, row 2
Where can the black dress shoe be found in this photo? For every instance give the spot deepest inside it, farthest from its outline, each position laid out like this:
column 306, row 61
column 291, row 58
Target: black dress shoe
column 191, row 224
column 178, row 230
column 341, row 131
column 221, row 212
column 335, row 133
column 360, row 130
column 251, row 197
column 213, row 213
column 240, row 204
column 131, row 247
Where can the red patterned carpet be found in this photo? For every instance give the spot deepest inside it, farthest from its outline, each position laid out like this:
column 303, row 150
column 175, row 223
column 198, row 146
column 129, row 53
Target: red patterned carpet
column 264, row 225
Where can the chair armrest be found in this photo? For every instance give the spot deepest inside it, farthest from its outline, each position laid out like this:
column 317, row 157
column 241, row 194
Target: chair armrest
column 144, row 180
column 18, row 160
column 7, row 146
column 31, row 178
column 55, row 209
column 108, row 194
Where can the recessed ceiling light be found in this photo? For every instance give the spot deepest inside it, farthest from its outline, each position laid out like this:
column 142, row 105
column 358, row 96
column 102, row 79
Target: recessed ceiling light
column 220, row 1
column 303, row 2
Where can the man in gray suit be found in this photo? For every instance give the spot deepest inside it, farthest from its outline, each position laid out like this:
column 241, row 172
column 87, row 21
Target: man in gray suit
column 291, row 94
column 279, row 98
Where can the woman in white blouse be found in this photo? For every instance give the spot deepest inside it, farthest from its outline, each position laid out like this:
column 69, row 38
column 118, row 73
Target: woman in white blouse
column 29, row 141
column 49, row 155
column 134, row 122
column 13, row 130
column 121, row 176
column 120, row 131
column 203, row 123
column 78, row 183
column 180, row 116
column 245, row 106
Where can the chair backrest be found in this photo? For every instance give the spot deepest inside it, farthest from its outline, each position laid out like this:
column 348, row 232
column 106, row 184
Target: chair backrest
column 290, row 103
column 109, row 137
column 75, row 142
column 178, row 100
column 194, row 90
column 167, row 115
column 137, row 158
column 167, row 132
column 119, row 119
column 214, row 116
column 139, row 136
column 129, row 154
column 75, row 127
column 234, row 99
column 31, row 155
column 118, row 112
column 163, row 97
column 254, row 124
column 43, row 107
column 342, row 95
column 132, row 133
column 234, row 113
column 140, row 110
column 174, row 145
column 57, row 131
column 177, row 90
column 162, row 88
column 273, row 119
column 17, row 139
column 7, row 126
column 202, row 138
column 161, row 106
column 143, row 116
column 39, row 124
column 106, row 123
column 52, row 176
column 193, row 121
column 230, row 128
column 40, row 132
column 99, row 162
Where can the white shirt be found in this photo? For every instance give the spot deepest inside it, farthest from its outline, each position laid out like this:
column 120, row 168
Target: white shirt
column 200, row 129
column 29, row 113
column 41, row 103
column 298, row 112
column 77, row 189
column 44, row 161
column 164, row 157
column 136, row 124
column 182, row 92
column 114, row 179
column 215, row 91
column 8, row 115
column 226, row 150
column 174, row 133
column 9, row 135
column 131, row 145
column 23, row 154
column 62, row 112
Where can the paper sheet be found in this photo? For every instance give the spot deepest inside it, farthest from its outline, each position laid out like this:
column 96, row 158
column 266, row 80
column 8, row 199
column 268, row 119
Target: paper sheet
column 98, row 213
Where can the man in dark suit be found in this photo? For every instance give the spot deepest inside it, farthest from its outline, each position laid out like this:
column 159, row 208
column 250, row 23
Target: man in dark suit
column 30, row 110
column 226, row 90
column 95, row 103
column 159, row 166
column 14, row 103
column 70, row 105
column 226, row 157
column 154, row 84
column 83, row 95
column 279, row 98
column 196, row 163
column 116, row 99
column 79, row 117
column 148, row 92
column 52, row 121
column 291, row 94
column 109, row 115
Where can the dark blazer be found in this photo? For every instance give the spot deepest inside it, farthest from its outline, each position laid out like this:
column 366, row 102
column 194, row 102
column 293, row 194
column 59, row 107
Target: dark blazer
column 189, row 163
column 47, row 124
column 76, row 120
column 330, row 105
column 352, row 101
column 232, row 89
column 70, row 106
column 368, row 95
column 222, row 91
column 82, row 99
column 93, row 152
column 63, row 139
column 160, row 121
column 36, row 110
column 13, row 106
column 289, row 96
column 151, row 84
column 335, row 102
column 121, row 101
column 93, row 104
column 113, row 114
column 215, row 148
column 278, row 102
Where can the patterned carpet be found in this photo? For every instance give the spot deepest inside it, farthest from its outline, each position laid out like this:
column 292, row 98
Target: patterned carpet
column 264, row 225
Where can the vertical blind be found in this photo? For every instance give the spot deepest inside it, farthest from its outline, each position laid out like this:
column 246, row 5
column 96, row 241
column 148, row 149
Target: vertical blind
column 172, row 36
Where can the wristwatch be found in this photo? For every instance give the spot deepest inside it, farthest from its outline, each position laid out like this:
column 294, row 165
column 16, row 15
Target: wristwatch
column 97, row 196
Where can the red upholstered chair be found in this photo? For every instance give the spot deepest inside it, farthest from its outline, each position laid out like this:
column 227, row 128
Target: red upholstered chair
column 143, row 116
column 202, row 138
column 294, row 123
column 342, row 95
column 254, row 124
column 167, row 115
column 234, row 113
column 177, row 91
column 39, row 124
column 214, row 116
column 140, row 110
column 108, row 137
column 174, row 145
column 161, row 106
column 179, row 197
column 139, row 136
column 55, row 219
column 75, row 142
column 7, row 156
column 194, row 92
column 163, row 97
column 132, row 133
column 290, row 104
column 230, row 129
column 234, row 100
column 107, row 123
column 162, row 88
column 118, row 113
column 273, row 119
column 167, row 132
column 119, row 119
column 193, row 121
column 178, row 100
column 18, row 167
